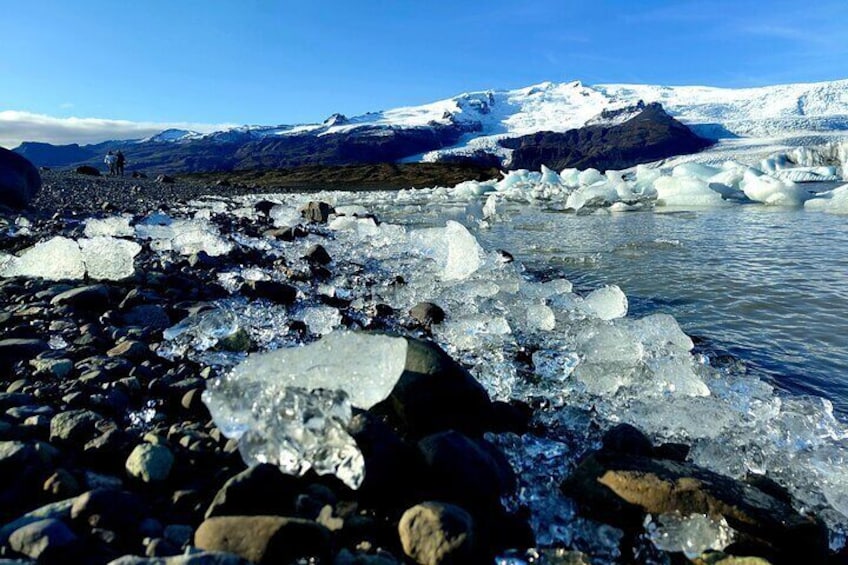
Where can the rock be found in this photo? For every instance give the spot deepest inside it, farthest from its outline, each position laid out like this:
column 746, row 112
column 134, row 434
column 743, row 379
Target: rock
column 57, row 368
column 434, row 533
column 93, row 298
column 620, row 489
column 138, row 175
column 317, row 254
column 165, row 179
column 274, row 291
column 73, row 426
column 197, row 558
column 19, row 180
column 346, row 557
column 14, row 350
column 263, row 206
column 264, row 539
column 62, row 484
column 466, row 471
column 130, row 349
column 108, row 509
column 147, row 316
column 150, row 463
column 48, row 540
column 237, row 341
column 261, row 489
column 88, row 170
column 626, row 439
column 434, row 393
column 427, row 314
column 317, row 212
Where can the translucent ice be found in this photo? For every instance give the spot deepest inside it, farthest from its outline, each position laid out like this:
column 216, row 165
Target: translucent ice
column 321, row 319
column 834, row 201
column 685, row 191
column 290, row 406
column 185, row 237
column 692, row 535
column 108, row 257
column 455, row 251
column 607, row 303
column 772, row 191
column 56, row 258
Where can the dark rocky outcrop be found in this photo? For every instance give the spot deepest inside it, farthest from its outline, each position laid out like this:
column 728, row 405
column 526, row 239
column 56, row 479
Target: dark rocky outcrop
column 651, row 134
column 19, row 180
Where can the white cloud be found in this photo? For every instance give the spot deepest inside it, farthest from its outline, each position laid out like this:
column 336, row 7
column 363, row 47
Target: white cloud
column 16, row 127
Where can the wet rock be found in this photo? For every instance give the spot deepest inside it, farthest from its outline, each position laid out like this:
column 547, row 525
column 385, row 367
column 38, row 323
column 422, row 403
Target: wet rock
column 434, row 533
column 264, row 539
column 274, row 291
column 317, row 212
column 62, row 484
column 150, row 463
column 435, row 393
column 470, row 472
column 427, row 314
column 261, row 489
column 318, row 255
column 48, row 540
column 237, row 341
column 19, row 180
column 53, row 367
column 166, row 179
column 620, row 489
column 626, row 439
column 264, row 207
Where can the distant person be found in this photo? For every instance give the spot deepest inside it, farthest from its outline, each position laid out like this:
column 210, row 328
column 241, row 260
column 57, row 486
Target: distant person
column 111, row 161
column 120, row 161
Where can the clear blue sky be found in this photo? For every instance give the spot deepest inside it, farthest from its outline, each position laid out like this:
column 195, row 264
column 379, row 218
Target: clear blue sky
column 267, row 62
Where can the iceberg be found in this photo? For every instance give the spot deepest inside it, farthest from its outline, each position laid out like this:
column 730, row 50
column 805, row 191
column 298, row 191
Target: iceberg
column 834, row 201
column 290, row 407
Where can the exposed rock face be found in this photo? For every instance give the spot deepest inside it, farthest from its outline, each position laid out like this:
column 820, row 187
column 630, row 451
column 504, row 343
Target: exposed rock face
column 648, row 136
column 19, row 180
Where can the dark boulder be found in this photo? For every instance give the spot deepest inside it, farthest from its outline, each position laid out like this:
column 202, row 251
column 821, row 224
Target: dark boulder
column 427, row 314
column 261, row 489
column 274, row 291
column 88, row 170
column 434, row 533
column 19, row 180
column 317, row 212
column 264, row 539
column 620, row 489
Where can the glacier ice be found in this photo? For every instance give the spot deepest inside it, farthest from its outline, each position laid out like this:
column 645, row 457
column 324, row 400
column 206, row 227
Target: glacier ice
column 455, row 251
column 607, row 303
column 291, row 406
column 692, row 535
column 113, row 226
column 109, row 258
column 55, row 259
column 833, row 201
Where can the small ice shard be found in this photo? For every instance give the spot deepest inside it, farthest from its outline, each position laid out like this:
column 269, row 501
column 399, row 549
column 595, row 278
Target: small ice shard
column 290, row 407
column 607, row 303
column 54, row 259
column 114, row 226
column 692, row 535
column 185, row 237
column 203, row 330
column 540, row 317
column 109, row 258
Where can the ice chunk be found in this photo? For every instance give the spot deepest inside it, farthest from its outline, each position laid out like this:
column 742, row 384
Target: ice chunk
column 772, row 191
column 540, row 317
column 321, row 319
column 692, row 535
column 114, row 226
column 685, row 191
column 695, row 170
column 54, row 259
column 108, row 257
column 455, row 250
column 600, row 194
column 607, row 303
column 290, row 407
column 550, row 177
column 590, row 176
column 834, row 201
column 185, row 237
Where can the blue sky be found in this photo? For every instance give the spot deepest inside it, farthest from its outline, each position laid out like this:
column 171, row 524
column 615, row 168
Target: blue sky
column 191, row 62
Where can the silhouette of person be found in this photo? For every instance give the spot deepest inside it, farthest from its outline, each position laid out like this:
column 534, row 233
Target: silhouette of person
column 112, row 162
column 120, row 161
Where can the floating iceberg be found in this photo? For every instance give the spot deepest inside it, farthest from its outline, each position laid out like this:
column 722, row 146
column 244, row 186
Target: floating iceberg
column 834, row 201
column 291, row 406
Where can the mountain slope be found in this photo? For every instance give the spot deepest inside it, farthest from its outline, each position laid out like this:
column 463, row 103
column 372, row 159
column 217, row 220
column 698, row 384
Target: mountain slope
column 471, row 126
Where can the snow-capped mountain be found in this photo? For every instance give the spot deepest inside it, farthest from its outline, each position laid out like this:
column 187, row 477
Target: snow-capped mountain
column 474, row 125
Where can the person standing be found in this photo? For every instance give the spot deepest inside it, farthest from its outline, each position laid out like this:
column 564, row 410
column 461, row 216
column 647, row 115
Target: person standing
column 120, row 161
column 111, row 161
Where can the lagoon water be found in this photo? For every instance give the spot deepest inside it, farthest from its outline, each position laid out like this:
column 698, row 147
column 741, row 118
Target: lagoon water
column 767, row 285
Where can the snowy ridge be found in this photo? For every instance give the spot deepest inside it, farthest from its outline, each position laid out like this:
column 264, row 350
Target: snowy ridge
column 488, row 116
